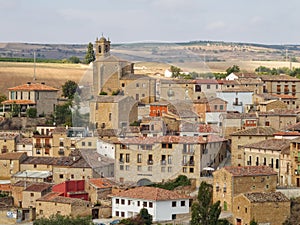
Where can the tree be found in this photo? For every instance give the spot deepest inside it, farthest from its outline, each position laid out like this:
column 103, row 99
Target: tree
column 63, row 220
column 2, row 98
column 31, row 112
column 143, row 218
column 175, row 71
column 69, row 89
column 74, row 59
column 90, row 54
column 204, row 212
column 63, row 114
column 233, row 69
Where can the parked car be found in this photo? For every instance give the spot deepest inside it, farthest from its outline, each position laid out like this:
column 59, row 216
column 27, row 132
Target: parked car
column 114, row 222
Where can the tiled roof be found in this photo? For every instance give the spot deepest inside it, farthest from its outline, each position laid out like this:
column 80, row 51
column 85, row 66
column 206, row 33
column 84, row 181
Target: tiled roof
column 38, row 187
column 285, row 96
column 256, row 131
column 236, row 89
column 19, row 102
column 100, row 182
column 32, row 87
column 270, row 144
column 8, row 135
column 294, row 127
column 282, row 77
column 209, row 100
column 5, row 187
column 92, row 159
column 150, row 193
column 235, row 115
column 287, row 133
column 59, row 130
column 246, row 75
column 107, row 132
column 22, row 183
column 278, row 112
column 11, row 155
column 266, row 197
column 25, row 141
column 170, row 139
column 55, row 197
column 67, row 161
column 239, row 171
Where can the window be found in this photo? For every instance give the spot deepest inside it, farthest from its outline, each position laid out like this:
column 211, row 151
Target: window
column 117, row 213
column 221, row 107
column 191, row 170
column 129, row 202
column 127, row 158
column 150, row 204
column 144, row 204
column 166, row 145
column 123, row 84
column 169, row 169
column 121, row 167
column 163, row 169
column 72, row 176
column 127, row 167
column 246, row 210
column 89, row 143
column 61, row 176
column 122, row 201
column 137, row 85
column 277, row 163
column 117, row 201
column 173, row 216
column 109, row 116
column 83, row 143
column 149, row 168
column 208, row 86
column 34, row 166
column 139, row 168
column 173, row 203
column 41, row 212
column 197, row 88
column 215, row 107
column 139, row 158
column 122, row 214
column 184, row 170
column 31, row 194
column 169, row 159
column 138, row 203
column 182, row 203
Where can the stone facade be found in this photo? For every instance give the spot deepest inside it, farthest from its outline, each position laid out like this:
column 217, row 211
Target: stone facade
column 245, row 137
column 230, row 181
column 113, row 112
column 263, row 208
column 10, row 163
column 8, row 141
column 157, row 159
column 277, row 119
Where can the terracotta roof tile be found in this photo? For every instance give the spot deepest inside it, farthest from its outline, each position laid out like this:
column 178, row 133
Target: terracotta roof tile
column 256, row 131
column 8, row 135
column 281, row 77
column 266, row 197
column 19, row 102
column 270, row 144
column 294, row 127
column 238, row 171
column 285, row 96
column 32, row 87
column 279, row 112
column 100, row 182
column 55, row 197
column 12, row 155
column 38, row 187
column 5, row 187
column 150, row 193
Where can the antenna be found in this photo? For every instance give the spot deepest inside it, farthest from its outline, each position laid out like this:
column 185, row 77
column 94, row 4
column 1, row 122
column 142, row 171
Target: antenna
column 34, row 66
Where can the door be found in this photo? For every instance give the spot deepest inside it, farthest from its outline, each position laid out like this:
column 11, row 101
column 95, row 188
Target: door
column 238, row 221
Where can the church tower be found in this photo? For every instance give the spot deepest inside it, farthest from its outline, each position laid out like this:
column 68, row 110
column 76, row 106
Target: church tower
column 102, row 47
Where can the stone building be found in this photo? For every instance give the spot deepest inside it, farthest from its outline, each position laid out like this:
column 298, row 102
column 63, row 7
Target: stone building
column 52, row 203
column 113, row 112
column 33, row 95
column 10, row 163
column 8, row 141
column 271, row 105
column 230, row 181
column 266, row 152
column 282, row 84
column 278, row 119
column 264, row 208
column 245, row 137
column 157, row 159
column 99, row 189
column 33, row 192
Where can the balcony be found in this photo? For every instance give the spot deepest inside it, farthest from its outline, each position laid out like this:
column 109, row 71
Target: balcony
column 163, row 162
column 237, row 103
column 188, row 152
column 191, row 163
column 37, row 145
column 47, row 145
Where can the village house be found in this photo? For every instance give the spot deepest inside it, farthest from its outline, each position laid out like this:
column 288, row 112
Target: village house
column 289, row 100
column 281, row 85
column 71, row 189
column 238, row 99
column 245, row 137
column 293, row 166
column 8, row 141
column 264, row 208
column 98, row 189
column 230, row 181
column 10, row 163
column 33, row 95
column 163, row 205
column 267, row 153
column 113, row 112
column 34, row 191
column 271, row 105
column 231, row 122
column 52, row 204
column 24, row 145
column 252, row 83
column 156, row 159
column 278, row 119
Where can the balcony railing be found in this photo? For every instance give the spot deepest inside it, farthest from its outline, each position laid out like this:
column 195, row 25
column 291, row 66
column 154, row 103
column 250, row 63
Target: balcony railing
column 237, row 103
column 150, row 162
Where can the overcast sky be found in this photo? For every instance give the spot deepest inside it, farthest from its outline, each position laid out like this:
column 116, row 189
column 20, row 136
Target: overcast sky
column 126, row 21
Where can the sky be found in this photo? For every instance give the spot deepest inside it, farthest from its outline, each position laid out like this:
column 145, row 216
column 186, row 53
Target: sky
column 128, row 21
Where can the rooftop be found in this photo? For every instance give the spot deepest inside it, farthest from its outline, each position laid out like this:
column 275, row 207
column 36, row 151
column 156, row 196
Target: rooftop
column 32, row 87
column 239, row 171
column 150, row 193
column 12, row 155
column 32, row 174
column 8, row 135
column 38, row 187
column 281, row 77
column 55, row 197
column 19, row 102
column 266, row 197
column 110, row 99
column 256, row 131
column 270, row 144
column 236, row 115
column 278, row 112
column 100, row 182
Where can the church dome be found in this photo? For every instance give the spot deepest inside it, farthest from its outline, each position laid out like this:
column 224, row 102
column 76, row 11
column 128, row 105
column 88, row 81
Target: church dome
column 102, row 39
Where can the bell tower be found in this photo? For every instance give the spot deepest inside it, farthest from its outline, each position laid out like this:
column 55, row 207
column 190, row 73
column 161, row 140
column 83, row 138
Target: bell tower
column 102, row 47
